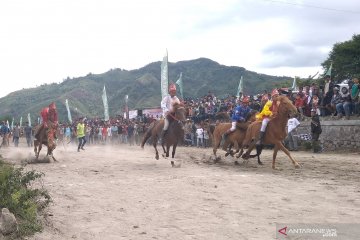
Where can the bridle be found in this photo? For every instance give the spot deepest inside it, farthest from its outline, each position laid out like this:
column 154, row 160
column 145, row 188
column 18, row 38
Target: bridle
column 174, row 117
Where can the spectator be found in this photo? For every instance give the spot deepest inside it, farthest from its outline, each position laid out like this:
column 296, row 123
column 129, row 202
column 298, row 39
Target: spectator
column 344, row 106
column 199, row 136
column 16, row 135
column 335, row 99
column 299, row 104
column 28, row 134
column 355, row 91
column 315, row 131
column 327, row 97
column 315, row 104
column 292, row 124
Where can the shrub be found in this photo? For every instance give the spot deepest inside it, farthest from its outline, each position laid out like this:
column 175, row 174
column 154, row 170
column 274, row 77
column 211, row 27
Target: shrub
column 23, row 200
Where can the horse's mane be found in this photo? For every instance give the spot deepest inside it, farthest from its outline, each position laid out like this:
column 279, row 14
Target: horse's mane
column 178, row 105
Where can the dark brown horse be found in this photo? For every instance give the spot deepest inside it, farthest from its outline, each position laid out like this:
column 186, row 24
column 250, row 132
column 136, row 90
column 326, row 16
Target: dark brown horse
column 234, row 139
column 45, row 137
column 275, row 132
column 174, row 135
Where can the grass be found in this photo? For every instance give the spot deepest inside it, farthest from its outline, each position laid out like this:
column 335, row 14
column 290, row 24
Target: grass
column 21, row 198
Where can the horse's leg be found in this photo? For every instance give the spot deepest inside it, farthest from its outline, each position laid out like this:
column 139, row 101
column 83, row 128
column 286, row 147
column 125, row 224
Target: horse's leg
column 259, row 149
column 215, row 147
column 36, row 143
column 247, row 155
column 156, row 151
column 167, row 150
column 173, row 154
column 283, row 148
column 276, row 149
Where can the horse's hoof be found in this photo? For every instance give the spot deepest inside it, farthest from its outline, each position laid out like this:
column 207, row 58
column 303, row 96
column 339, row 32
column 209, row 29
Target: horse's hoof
column 172, row 164
column 260, row 163
column 236, row 163
column 227, row 154
column 157, row 157
column 297, row 166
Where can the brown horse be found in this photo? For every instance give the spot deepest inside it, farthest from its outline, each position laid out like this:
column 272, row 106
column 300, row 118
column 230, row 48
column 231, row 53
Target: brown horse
column 174, row 135
column 275, row 132
column 47, row 138
column 234, row 139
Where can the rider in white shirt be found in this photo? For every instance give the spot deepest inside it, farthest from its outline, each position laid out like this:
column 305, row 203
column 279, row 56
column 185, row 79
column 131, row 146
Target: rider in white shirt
column 167, row 104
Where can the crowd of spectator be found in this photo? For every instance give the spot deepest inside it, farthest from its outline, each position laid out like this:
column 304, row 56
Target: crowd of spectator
column 325, row 101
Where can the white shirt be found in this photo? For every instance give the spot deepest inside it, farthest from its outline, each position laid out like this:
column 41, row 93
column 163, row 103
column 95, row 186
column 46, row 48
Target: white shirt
column 167, row 104
column 199, row 133
column 292, row 124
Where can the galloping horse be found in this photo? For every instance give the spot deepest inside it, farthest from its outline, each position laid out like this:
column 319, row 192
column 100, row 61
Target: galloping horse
column 47, row 138
column 234, row 139
column 174, row 134
column 275, row 132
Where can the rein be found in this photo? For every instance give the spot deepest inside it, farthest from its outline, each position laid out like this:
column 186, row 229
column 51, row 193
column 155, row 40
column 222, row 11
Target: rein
column 171, row 115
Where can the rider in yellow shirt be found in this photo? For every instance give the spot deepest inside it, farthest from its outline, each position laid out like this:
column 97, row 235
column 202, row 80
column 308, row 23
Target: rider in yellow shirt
column 269, row 109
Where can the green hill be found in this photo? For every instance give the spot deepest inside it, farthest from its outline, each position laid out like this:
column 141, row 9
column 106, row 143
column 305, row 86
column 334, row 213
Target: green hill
column 141, row 85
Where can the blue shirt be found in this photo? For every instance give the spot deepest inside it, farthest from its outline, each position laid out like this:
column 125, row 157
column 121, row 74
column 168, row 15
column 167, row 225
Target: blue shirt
column 240, row 113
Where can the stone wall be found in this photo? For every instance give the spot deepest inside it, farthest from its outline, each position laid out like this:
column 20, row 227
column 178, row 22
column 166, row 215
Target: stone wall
column 337, row 134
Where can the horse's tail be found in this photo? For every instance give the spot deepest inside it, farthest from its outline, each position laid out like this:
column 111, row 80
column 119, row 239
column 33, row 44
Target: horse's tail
column 147, row 134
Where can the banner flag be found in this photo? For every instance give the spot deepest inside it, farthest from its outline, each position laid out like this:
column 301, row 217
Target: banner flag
column 68, row 110
column 164, row 76
column 180, row 84
column 29, row 119
column 126, row 107
column 294, row 85
column 12, row 123
column 106, row 106
column 240, row 88
column 20, row 121
column 328, row 72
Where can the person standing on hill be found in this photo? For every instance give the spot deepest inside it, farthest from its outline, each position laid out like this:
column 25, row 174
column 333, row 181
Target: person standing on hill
column 80, row 133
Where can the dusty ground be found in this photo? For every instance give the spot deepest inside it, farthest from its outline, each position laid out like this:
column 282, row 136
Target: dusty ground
column 122, row 192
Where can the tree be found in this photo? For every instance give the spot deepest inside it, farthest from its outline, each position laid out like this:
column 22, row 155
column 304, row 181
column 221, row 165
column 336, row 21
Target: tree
column 345, row 58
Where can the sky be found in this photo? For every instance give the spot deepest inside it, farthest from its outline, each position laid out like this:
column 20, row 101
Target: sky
column 44, row 41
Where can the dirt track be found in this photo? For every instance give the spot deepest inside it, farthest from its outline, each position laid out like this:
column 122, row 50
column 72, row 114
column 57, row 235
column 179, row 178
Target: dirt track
column 124, row 193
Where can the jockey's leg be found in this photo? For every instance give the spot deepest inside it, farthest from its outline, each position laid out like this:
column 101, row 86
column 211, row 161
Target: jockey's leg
column 264, row 124
column 165, row 129
column 232, row 129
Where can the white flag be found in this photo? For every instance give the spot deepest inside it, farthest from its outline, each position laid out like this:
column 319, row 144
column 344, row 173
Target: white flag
column 240, row 88
column 106, row 106
column 29, row 119
column 180, row 84
column 20, row 121
column 294, row 85
column 164, row 76
column 68, row 110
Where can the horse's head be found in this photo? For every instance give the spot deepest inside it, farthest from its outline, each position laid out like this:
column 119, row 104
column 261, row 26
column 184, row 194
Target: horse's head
column 286, row 107
column 180, row 113
column 251, row 116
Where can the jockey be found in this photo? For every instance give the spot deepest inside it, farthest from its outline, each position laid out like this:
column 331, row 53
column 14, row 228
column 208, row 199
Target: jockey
column 239, row 115
column 167, row 104
column 50, row 118
column 269, row 110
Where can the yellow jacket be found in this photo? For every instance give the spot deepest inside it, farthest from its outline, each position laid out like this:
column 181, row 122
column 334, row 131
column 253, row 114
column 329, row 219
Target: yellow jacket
column 265, row 112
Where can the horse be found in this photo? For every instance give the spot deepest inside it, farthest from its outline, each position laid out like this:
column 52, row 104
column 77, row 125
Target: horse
column 234, row 139
column 45, row 137
column 174, row 135
column 275, row 132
